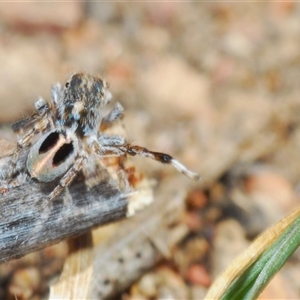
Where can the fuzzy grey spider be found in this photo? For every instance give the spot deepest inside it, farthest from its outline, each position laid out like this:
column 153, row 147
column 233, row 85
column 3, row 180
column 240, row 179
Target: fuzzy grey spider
column 70, row 127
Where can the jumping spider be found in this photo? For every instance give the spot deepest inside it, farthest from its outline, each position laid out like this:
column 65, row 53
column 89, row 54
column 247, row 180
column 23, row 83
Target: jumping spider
column 70, row 132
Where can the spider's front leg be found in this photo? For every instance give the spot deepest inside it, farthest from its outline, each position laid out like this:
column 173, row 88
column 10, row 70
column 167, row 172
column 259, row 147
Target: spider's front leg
column 112, row 145
column 161, row 157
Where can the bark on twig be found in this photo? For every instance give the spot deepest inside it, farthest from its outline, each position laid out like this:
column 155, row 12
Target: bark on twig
column 91, row 200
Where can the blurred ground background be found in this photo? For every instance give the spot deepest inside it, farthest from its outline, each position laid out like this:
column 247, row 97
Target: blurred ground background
column 214, row 84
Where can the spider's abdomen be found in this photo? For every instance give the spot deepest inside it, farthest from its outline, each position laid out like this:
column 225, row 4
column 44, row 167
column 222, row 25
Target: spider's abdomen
column 51, row 156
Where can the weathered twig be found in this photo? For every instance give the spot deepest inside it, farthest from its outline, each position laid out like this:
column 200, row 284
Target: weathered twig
column 92, row 200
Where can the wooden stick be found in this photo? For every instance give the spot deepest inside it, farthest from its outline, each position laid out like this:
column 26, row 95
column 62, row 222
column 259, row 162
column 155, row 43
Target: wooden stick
column 95, row 198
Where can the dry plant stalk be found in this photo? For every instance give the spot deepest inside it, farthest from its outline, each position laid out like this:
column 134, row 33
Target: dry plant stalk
column 95, row 198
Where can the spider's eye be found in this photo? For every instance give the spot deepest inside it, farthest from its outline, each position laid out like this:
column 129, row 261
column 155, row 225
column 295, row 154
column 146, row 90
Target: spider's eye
column 67, row 85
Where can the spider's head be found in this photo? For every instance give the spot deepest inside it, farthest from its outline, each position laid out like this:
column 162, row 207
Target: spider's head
column 83, row 97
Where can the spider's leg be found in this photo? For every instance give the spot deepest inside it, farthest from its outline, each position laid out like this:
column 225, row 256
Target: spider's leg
column 67, row 178
column 41, row 107
column 107, row 145
column 40, row 126
column 161, row 157
column 111, row 145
